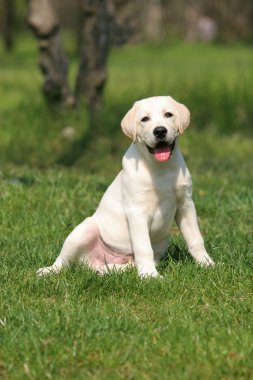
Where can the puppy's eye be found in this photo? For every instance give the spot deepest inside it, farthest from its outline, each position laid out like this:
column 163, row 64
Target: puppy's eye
column 145, row 118
column 168, row 114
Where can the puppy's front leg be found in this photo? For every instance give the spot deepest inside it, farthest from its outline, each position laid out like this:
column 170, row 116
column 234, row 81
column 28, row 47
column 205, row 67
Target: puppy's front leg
column 142, row 248
column 186, row 219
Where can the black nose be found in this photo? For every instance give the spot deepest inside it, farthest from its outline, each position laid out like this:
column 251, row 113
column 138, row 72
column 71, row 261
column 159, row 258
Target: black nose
column 160, row 132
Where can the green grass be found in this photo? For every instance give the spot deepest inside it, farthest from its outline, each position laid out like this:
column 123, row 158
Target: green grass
column 196, row 323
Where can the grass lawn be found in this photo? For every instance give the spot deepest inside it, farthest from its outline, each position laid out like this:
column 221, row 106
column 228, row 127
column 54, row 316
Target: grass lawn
column 195, row 324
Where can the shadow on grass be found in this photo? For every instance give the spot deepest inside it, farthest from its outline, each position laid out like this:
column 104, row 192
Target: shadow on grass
column 19, row 180
column 175, row 254
column 77, row 149
column 103, row 136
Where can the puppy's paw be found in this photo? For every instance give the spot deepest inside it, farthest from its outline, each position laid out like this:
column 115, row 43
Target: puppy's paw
column 45, row 271
column 149, row 273
column 206, row 261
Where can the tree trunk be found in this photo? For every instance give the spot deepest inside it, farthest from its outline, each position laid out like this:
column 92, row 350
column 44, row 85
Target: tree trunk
column 7, row 23
column 95, row 44
column 53, row 62
column 153, row 25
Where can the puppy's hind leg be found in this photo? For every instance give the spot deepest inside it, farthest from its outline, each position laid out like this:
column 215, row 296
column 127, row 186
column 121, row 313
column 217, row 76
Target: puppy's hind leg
column 78, row 243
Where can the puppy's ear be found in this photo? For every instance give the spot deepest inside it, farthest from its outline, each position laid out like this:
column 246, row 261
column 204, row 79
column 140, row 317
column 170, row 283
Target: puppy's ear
column 183, row 116
column 129, row 123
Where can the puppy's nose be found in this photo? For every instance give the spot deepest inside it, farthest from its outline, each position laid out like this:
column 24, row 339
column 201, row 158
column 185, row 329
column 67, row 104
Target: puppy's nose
column 160, row 132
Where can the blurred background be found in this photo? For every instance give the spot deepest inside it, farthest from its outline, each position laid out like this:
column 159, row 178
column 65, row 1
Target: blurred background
column 69, row 71
column 70, row 68
column 138, row 21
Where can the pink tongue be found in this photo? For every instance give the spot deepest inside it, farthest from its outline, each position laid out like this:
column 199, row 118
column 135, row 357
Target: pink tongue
column 162, row 153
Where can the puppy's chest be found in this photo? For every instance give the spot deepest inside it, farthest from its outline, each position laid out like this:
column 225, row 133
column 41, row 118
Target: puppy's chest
column 161, row 209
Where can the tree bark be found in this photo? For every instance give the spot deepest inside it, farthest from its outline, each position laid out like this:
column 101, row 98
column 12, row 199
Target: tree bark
column 152, row 26
column 53, row 61
column 95, row 44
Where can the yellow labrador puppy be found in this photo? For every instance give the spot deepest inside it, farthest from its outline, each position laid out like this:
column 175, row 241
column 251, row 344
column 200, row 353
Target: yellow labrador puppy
column 133, row 219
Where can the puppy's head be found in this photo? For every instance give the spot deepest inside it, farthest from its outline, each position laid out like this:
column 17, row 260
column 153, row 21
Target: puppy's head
column 156, row 122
